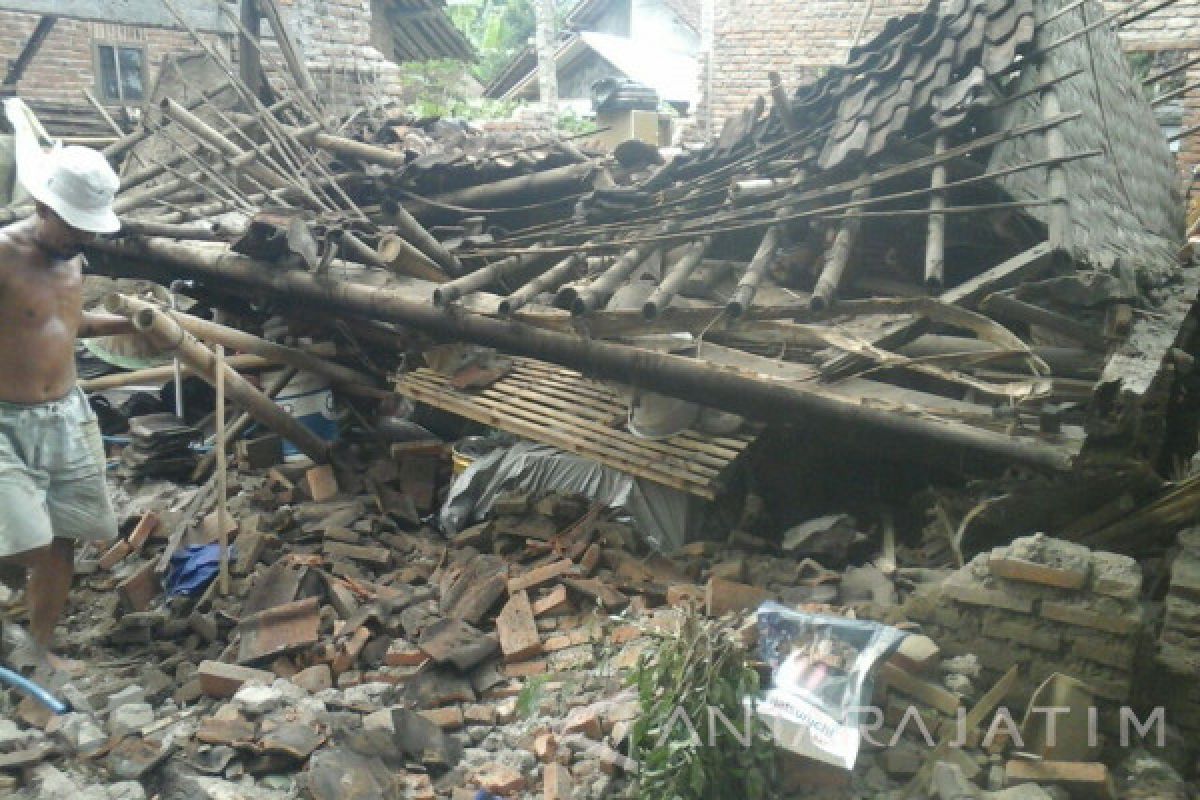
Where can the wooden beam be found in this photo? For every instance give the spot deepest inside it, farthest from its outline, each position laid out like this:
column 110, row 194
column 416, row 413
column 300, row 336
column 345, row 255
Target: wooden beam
column 204, row 17
column 19, row 64
column 249, row 61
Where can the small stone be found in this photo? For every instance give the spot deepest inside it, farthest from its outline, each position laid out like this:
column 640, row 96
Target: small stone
column 80, row 732
column 130, row 694
column 130, row 718
column 256, row 699
column 126, row 790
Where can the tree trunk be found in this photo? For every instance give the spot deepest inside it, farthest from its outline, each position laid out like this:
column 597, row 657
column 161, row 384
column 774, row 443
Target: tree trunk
column 546, row 43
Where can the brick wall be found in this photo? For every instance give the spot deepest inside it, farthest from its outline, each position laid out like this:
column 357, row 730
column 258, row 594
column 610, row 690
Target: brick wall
column 65, row 64
column 754, row 37
column 333, row 35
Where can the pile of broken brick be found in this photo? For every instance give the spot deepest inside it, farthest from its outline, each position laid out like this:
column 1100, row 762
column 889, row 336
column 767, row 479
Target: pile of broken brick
column 359, row 653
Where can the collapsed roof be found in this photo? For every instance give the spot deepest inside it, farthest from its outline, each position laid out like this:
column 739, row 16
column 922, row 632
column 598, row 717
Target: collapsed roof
column 939, row 248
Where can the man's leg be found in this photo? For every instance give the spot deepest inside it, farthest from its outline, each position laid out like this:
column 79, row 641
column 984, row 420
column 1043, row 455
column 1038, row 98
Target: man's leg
column 50, row 572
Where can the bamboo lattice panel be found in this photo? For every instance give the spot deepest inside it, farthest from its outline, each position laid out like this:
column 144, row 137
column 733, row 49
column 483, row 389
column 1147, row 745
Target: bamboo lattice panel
column 560, row 407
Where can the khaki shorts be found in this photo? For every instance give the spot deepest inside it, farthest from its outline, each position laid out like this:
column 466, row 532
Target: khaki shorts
column 52, row 475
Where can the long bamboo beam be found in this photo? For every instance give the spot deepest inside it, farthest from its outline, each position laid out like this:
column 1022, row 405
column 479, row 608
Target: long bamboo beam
column 215, row 333
column 935, row 236
column 155, row 375
column 166, row 334
column 764, row 256
column 675, row 376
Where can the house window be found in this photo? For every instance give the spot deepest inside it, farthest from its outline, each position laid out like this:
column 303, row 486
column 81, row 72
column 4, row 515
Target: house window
column 120, row 72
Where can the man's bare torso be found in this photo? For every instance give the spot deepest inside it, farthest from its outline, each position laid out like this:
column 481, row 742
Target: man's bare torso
column 41, row 307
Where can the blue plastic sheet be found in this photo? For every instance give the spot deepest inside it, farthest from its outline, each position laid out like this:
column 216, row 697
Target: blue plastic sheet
column 193, row 568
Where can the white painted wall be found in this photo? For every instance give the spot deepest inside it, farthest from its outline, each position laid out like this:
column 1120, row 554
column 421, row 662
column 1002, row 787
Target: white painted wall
column 656, row 25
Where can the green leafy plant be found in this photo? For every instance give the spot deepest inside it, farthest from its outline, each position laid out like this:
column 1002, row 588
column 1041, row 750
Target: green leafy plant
column 690, row 693
column 530, row 697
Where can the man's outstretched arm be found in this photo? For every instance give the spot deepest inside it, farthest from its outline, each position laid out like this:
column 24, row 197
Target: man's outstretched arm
column 96, row 324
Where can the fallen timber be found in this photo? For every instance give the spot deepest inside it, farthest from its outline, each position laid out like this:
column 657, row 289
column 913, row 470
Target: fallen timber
column 166, row 334
column 671, row 375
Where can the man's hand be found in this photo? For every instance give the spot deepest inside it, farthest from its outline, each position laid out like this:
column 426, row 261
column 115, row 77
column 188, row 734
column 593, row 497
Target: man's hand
column 95, row 324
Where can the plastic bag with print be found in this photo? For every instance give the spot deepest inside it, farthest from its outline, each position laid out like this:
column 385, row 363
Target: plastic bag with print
column 821, row 679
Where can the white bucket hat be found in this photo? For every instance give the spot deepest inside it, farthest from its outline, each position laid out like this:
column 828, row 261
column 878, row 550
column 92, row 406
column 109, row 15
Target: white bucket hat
column 78, row 184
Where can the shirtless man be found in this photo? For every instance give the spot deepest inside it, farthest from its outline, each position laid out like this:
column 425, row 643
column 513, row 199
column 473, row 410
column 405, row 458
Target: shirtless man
column 52, row 489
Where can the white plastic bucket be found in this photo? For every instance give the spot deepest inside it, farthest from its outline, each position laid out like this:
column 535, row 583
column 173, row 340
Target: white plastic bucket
column 309, row 399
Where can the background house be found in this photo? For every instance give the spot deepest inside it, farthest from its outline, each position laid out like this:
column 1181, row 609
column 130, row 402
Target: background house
column 348, row 45
column 801, row 38
column 651, row 42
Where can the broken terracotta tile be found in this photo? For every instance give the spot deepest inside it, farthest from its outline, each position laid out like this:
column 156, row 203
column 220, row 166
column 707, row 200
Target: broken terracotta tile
column 518, row 633
column 223, row 680
column 278, row 630
column 140, row 589
column 456, row 642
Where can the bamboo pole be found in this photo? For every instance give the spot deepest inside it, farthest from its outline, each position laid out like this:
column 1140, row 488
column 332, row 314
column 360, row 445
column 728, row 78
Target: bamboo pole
column 596, row 294
column 154, row 375
column 400, row 256
column 243, row 160
column 838, row 256
column 160, row 329
column 222, row 478
column 783, row 106
column 242, row 421
column 547, row 281
column 935, row 237
column 295, row 63
column 493, row 197
column 215, row 333
column 395, row 214
column 747, row 287
column 212, row 232
column 676, row 276
column 340, row 145
column 397, row 257
column 1059, row 227
column 448, row 293
column 675, row 376
column 1011, row 308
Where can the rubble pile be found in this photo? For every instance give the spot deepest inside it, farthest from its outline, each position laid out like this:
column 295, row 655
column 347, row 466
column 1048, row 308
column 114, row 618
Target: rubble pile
column 1020, row 358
